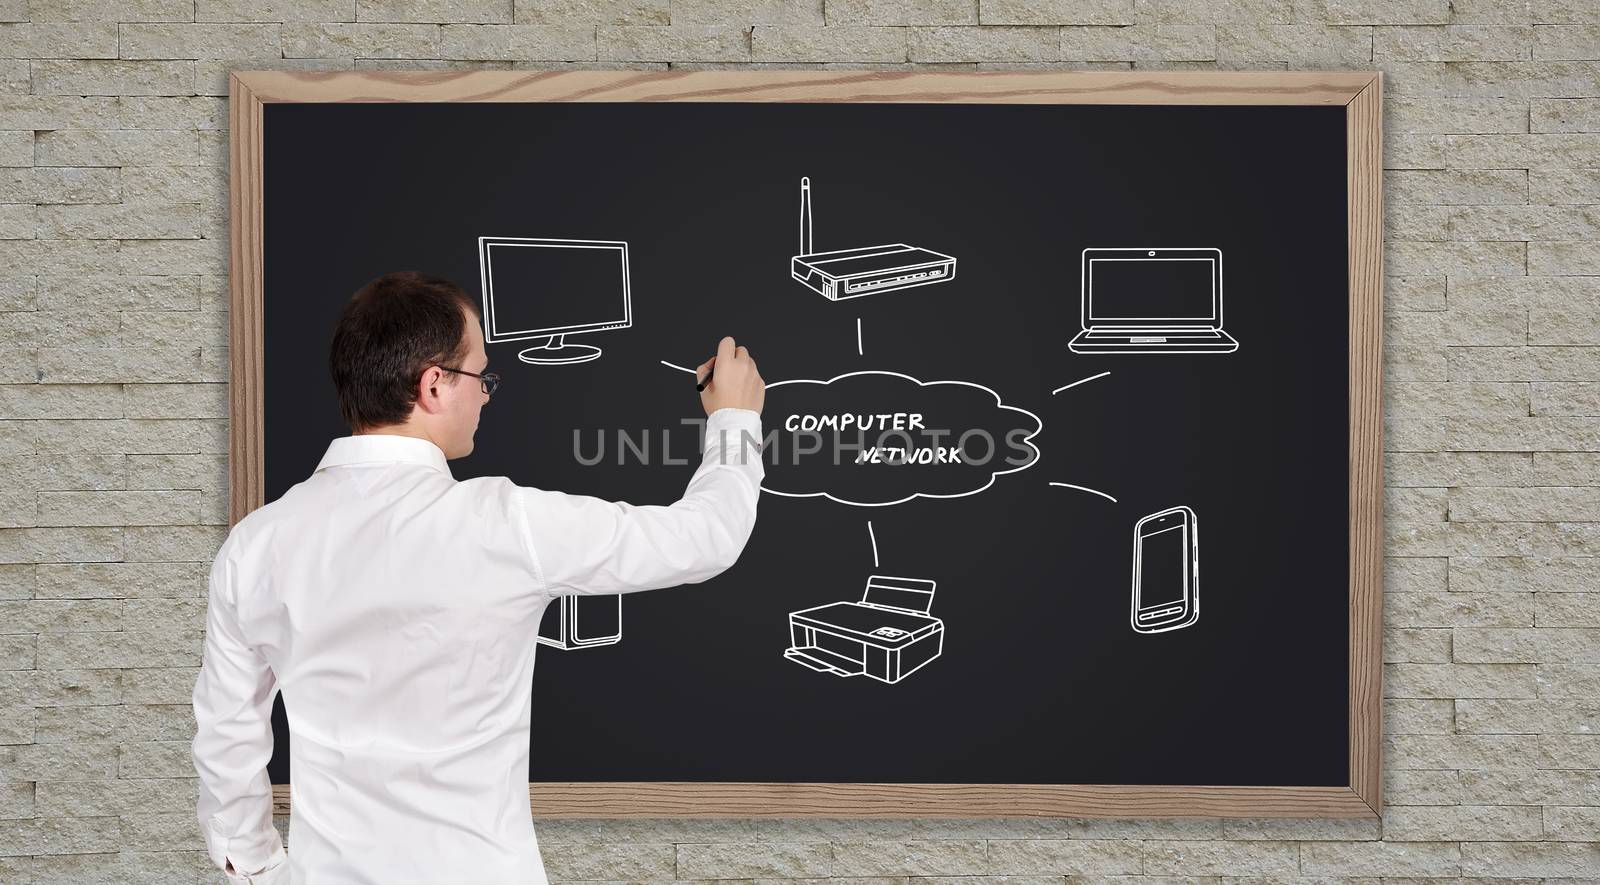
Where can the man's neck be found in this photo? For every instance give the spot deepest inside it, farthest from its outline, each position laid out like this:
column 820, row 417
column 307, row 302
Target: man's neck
column 407, row 429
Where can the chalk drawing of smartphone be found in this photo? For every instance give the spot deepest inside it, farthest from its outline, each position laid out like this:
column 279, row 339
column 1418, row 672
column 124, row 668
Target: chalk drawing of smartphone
column 1166, row 571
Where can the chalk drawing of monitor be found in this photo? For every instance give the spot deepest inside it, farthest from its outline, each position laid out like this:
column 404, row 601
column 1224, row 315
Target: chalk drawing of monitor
column 549, row 289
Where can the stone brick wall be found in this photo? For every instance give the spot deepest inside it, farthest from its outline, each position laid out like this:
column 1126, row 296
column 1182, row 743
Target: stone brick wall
column 113, row 438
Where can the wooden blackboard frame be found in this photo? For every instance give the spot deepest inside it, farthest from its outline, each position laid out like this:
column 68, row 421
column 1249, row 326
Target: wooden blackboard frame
column 1358, row 91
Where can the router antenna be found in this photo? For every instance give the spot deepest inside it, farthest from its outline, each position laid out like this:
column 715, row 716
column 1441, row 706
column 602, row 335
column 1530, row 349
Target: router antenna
column 805, row 216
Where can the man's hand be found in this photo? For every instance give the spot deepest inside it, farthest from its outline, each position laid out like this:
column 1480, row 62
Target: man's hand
column 736, row 384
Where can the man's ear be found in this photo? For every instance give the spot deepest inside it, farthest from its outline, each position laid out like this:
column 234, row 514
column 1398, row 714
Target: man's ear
column 427, row 398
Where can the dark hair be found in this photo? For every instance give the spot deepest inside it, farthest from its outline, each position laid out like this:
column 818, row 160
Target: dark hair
column 390, row 331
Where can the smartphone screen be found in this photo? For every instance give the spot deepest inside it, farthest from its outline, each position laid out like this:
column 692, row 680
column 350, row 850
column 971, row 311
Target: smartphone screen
column 1164, row 566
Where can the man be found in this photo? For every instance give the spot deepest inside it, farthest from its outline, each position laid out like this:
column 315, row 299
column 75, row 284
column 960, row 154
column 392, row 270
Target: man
column 398, row 609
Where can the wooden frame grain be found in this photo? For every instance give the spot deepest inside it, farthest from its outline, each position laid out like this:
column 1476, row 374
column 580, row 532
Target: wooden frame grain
column 1358, row 91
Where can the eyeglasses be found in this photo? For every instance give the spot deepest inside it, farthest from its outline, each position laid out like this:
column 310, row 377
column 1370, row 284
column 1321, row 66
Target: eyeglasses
column 488, row 380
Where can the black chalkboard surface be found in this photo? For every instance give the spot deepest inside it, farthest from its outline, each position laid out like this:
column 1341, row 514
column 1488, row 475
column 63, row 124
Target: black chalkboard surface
column 1094, row 348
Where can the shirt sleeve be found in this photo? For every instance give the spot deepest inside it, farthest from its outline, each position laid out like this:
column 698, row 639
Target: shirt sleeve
column 586, row 545
column 233, row 741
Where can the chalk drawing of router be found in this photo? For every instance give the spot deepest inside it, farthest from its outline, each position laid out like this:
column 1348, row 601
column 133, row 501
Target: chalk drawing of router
column 851, row 273
column 887, row 635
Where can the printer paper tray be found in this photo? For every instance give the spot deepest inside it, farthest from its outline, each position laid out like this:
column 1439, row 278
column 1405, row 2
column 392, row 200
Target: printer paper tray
column 825, row 661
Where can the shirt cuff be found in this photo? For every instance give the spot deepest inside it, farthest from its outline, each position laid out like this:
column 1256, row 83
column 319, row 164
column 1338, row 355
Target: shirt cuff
column 733, row 437
column 276, row 871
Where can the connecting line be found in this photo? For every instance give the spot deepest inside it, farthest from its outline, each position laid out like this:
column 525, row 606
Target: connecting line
column 1068, row 485
column 1080, row 381
column 858, row 337
column 874, row 539
column 679, row 368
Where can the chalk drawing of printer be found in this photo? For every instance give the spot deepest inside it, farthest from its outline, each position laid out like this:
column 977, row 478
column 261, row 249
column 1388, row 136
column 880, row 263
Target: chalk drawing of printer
column 887, row 635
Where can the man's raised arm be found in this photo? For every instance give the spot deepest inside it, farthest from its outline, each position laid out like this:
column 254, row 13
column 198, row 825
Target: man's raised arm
column 586, row 545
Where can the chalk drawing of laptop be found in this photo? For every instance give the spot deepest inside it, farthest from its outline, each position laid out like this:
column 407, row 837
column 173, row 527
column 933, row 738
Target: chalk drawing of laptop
column 1152, row 301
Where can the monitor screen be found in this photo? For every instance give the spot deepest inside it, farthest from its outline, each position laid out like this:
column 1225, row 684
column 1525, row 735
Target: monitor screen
column 533, row 288
column 1148, row 289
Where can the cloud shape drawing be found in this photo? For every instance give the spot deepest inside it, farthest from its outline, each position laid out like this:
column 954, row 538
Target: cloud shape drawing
column 875, row 438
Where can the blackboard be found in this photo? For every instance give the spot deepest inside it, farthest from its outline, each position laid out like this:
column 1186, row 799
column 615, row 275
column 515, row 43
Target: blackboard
column 1127, row 567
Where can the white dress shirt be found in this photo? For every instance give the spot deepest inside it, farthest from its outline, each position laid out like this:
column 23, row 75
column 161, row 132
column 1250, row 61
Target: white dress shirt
column 398, row 611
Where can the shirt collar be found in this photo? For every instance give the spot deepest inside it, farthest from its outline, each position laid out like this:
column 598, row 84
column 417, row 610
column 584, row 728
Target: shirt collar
column 381, row 447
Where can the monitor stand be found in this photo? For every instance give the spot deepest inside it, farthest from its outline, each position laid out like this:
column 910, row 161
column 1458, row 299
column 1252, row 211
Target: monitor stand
column 556, row 351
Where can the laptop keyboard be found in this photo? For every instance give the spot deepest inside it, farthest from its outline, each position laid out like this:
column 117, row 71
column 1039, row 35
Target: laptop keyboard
column 1154, row 337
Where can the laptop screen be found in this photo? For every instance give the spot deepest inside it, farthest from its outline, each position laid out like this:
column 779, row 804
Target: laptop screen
column 1152, row 291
